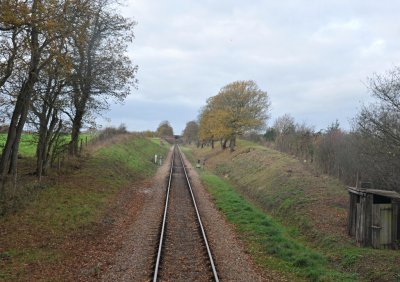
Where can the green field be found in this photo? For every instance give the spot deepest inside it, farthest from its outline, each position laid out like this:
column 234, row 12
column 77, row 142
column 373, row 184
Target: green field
column 27, row 146
column 28, row 143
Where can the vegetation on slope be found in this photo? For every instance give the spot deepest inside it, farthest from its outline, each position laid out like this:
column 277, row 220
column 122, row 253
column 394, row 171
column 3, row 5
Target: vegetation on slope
column 71, row 204
column 312, row 206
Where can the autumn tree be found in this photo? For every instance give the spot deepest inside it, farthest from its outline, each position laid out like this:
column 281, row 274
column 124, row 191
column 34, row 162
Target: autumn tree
column 46, row 112
column 212, row 124
column 35, row 25
column 165, row 129
column 191, row 132
column 11, row 29
column 101, row 69
column 239, row 107
column 59, row 59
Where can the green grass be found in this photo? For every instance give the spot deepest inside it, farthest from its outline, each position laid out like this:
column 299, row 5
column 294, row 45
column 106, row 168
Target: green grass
column 136, row 154
column 28, row 143
column 160, row 142
column 76, row 203
column 269, row 241
column 27, row 146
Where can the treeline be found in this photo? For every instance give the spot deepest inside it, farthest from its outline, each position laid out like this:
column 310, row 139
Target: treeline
column 62, row 63
column 369, row 152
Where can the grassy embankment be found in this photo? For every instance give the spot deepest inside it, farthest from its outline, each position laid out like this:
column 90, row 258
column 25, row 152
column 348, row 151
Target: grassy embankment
column 292, row 220
column 32, row 237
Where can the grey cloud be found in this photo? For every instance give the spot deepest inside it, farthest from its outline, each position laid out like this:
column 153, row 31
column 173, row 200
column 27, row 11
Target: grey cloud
column 310, row 56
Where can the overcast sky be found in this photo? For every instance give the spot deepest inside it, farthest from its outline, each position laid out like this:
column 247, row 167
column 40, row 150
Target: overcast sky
column 312, row 57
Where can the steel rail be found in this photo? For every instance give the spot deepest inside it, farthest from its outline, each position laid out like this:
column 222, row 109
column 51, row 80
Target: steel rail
column 156, row 267
column 214, row 269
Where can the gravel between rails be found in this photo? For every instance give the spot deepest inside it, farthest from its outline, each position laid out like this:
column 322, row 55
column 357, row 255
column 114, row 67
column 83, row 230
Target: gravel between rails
column 184, row 257
column 135, row 260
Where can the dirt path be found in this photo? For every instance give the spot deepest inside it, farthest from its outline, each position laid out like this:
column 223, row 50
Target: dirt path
column 134, row 261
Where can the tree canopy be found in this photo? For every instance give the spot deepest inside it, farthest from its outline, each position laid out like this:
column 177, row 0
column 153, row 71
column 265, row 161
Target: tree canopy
column 239, row 107
column 165, row 129
column 191, row 132
column 61, row 63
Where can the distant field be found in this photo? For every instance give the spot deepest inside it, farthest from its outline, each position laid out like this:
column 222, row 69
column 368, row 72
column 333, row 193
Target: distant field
column 28, row 142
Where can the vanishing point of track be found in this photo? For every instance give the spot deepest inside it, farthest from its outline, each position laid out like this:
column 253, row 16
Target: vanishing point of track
column 183, row 252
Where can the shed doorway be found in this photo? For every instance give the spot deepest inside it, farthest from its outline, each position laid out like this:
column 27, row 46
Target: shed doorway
column 382, row 219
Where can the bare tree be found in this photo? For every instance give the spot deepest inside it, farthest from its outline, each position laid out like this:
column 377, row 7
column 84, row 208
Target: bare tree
column 284, row 128
column 378, row 128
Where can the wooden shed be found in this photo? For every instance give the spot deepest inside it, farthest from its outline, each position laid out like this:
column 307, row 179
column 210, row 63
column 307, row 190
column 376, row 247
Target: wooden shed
column 374, row 217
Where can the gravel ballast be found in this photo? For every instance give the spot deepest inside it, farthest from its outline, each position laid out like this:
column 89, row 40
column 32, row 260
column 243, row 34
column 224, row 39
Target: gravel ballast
column 134, row 261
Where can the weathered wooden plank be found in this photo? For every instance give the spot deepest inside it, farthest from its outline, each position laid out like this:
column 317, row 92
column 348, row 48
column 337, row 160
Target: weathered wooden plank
column 362, row 229
column 398, row 222
column 359, row 223
column 352, row 216
column 395, row 223
column 386, row 211
column 376, row 226
column 368, row 219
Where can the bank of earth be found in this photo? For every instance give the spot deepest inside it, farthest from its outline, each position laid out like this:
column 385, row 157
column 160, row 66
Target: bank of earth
column 290, row 217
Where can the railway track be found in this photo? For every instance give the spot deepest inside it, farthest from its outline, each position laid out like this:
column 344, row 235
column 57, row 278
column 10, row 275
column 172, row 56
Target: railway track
column 183, row 253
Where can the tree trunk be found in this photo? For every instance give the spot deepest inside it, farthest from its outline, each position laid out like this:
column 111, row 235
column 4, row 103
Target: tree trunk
column 46, row 135
column 21, row 124
column 224, row 144
column 10, row 152
column 232, row 143
column 76, row 128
